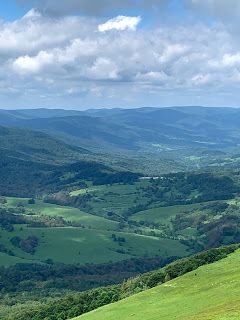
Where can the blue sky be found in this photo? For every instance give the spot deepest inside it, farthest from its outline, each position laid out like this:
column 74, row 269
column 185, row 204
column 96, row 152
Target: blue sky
column 176, row 12
column 10, row 10
column 122, row 53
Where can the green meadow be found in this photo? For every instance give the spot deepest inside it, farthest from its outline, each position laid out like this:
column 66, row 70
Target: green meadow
column 67, row 213
column 76, row 245
column 163, row 214
column 117, row 198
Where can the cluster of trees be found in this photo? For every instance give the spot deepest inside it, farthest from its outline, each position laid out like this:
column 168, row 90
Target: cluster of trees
column 4, row 249
column 64, row 199
column 76, row 304
column 225, row 230
column 118, row 239
column 100, row 174
column 8, row 218
column 188, row 188
column 210, row 232
column 58, row 278
column 216, row 207
column 12, row 216
column 28, row 245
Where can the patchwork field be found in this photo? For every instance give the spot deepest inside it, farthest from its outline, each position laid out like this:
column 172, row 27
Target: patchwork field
column 95, row 240
column 117, row 198
column 77, row 245
column 70, row 235
column 40, row 208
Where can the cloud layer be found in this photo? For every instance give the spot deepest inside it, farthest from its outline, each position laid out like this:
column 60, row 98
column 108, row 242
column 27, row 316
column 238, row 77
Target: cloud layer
column 218, row 8
column 82, row 60
column 92, row 7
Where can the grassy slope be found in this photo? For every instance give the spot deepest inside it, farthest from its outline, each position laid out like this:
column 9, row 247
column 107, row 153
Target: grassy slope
column 77, row 245
column 163, row 214
column 68, row 213
column 69, row 245
column 116, row 198
column 209, row 293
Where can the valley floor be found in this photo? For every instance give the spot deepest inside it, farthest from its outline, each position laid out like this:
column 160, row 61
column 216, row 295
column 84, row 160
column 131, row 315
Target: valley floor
column 212, row 292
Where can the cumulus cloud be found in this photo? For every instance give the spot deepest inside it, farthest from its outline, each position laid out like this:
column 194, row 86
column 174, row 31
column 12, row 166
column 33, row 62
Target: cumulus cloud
column 120, row 23
column 103, row 69
column 64, row 57
column 27, row 64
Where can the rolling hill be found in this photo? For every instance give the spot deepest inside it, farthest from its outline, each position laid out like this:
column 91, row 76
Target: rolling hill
column 152, row 129
column 31, row 160
column 29, row 145
column 211, row 292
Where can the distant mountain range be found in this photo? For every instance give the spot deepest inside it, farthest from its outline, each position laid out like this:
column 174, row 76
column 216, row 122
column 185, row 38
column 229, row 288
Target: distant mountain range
column 134, row 129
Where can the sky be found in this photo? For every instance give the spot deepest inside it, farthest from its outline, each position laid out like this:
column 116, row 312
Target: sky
column 80, row 54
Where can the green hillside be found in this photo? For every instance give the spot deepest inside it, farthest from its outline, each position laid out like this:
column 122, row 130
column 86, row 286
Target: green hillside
column 69, row 235
column 212, row 292
column 76, row 245
column 36, row 146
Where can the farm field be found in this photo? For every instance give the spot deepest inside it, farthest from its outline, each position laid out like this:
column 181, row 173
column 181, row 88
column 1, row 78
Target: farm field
column 211, row 292
column 67, row 213
column 96, row 240
column 70, row 235
column 163, row 214
column 76, row 245
column 117, row 198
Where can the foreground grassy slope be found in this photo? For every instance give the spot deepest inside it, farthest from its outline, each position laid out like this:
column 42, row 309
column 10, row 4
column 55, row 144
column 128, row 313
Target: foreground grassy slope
column 211, row 293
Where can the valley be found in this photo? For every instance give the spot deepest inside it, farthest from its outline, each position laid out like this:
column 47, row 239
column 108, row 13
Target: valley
column 74, row 217
column 119, row 160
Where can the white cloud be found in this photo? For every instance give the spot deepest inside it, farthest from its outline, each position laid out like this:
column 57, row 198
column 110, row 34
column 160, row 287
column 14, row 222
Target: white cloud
column 153, row 77
column 172, row 51
column 231, row 59
column 58, row 57
column 102, row 69
column 120, row 23
column 27, row 64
